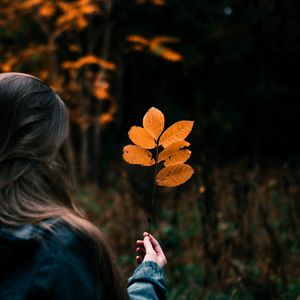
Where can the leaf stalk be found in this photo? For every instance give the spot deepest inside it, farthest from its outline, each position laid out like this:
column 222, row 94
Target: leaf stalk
column 153, row 190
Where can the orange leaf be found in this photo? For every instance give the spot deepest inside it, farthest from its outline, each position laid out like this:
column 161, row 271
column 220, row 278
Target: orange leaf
column 47, row 10
column 89, row 59
column 105, row 118
column 154, row 122
column 137, row 155
column 176, row 132
column 171, row 149
column 174, row 175
column 171, row 55
column 141, row 137
column 137, row 39
column 178, row 157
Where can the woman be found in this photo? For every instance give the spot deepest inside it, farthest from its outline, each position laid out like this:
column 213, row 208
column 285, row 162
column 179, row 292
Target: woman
column 48, row 249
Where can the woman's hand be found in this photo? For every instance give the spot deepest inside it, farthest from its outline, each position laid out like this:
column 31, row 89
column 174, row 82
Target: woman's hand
column 150, row 250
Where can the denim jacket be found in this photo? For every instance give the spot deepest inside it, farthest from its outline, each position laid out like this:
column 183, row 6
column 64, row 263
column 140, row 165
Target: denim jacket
column 147, row 282
column 35, row 264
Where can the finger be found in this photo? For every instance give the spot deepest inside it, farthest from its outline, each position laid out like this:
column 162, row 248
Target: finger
column 141, row 256
column 141, row 246
column 145, row 234
column 140, row 250
column 139, row 243
column 155, row 244
column 147, row 244
column 138, row 259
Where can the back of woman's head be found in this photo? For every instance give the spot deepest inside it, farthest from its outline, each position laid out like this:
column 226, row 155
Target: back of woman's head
column 33, row 126
column 34, row 180
column 34, row 121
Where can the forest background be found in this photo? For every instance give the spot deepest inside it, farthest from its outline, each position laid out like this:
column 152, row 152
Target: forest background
column 232, row 231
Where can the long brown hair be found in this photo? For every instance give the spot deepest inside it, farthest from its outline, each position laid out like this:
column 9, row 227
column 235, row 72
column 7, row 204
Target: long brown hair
column 35, row 182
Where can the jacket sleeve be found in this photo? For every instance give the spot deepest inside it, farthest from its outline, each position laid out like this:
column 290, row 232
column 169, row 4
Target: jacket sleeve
column 147, row 282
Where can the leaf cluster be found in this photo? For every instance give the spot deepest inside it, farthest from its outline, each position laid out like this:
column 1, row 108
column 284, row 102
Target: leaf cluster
column 152, row 146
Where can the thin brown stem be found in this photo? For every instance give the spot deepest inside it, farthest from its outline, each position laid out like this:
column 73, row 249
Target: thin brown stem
column 153, row 191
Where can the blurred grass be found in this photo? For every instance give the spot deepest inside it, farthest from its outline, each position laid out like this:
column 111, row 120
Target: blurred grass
column 247, row 247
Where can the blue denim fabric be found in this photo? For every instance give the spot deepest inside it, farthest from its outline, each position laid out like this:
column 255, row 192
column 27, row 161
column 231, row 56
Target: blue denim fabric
column 39, row 265
column 147, row 282
column 36, row 264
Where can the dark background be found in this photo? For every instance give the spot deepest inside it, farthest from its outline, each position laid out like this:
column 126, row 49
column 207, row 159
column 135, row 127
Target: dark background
column 232, row 231
column 238, row 79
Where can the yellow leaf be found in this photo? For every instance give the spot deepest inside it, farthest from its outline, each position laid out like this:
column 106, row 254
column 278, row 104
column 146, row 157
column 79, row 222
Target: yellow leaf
column 171, row 149
column 141, row 137
column 178, row 157
column 154, row 122
column 176, row 132
column 137, row 155
column 174, row 175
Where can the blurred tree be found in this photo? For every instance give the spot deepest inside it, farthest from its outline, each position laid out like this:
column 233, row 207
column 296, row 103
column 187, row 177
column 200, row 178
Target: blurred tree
column 69, row 45
column 227, row 64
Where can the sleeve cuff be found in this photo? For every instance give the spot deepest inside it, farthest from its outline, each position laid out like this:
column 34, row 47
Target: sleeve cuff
column 151, row 267
column 147, row 282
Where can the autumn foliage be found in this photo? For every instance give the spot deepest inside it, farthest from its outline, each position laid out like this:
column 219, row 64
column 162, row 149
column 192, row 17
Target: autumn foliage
column 68, row 44
column 156, row 46
column 172, row 141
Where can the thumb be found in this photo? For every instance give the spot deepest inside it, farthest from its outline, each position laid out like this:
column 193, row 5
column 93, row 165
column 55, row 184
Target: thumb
column 147, row 244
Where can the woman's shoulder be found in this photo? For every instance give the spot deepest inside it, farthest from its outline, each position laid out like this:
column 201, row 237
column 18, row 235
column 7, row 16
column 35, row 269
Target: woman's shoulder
column 34, row 258
column 36, row 231
column 52, row 236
